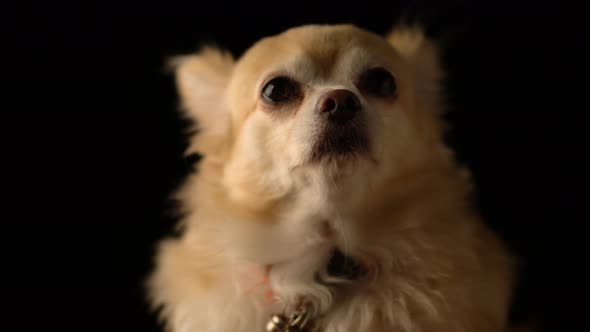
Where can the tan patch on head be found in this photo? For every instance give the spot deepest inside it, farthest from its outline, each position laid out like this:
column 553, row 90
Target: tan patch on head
column 325, row 45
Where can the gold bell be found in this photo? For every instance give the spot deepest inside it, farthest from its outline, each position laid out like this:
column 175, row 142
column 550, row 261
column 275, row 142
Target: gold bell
column 297, row 322
column 277, row 323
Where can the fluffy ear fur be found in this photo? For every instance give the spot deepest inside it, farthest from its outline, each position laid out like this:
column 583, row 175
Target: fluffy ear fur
column 424, row 58
column 201, row 80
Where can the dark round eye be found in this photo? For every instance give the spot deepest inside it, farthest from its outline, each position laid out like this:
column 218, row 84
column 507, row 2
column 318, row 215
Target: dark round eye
column 281, row 90
column 377, row 82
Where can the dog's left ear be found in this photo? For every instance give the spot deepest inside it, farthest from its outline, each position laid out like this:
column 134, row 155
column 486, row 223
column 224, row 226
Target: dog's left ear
column 423, row 57
column 202, row 80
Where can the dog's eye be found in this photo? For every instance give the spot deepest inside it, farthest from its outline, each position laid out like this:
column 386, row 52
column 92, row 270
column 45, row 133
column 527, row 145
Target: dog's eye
column 281, row 90
column 377, row 82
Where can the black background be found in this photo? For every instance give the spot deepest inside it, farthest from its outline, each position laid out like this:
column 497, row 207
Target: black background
column 94, row 144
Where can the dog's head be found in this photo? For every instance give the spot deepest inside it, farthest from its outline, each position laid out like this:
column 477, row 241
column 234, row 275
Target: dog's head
column 314, row 103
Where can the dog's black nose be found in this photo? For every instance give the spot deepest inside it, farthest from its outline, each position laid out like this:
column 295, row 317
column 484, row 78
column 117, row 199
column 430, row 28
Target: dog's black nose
column 339, row 106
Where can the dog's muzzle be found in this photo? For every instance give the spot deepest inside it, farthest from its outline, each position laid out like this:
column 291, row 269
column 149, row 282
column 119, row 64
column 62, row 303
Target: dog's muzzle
column 341, row 126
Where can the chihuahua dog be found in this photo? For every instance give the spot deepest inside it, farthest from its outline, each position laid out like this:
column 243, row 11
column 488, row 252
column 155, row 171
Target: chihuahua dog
column 326, row 199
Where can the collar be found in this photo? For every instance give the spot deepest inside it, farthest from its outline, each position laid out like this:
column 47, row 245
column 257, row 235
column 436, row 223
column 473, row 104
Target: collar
column 340, row 266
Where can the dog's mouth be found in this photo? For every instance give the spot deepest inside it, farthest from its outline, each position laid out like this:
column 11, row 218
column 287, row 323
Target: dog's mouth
column 339, row 143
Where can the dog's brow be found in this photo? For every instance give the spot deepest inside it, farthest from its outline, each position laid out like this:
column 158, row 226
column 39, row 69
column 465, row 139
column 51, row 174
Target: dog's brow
column 299, row 67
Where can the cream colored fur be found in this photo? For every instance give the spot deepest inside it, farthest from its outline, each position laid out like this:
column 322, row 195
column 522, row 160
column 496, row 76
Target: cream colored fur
column 256, row 203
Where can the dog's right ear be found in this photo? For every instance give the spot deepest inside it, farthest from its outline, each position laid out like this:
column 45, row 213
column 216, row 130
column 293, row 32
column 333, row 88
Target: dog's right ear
column 202, row 81
column 423, row 56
